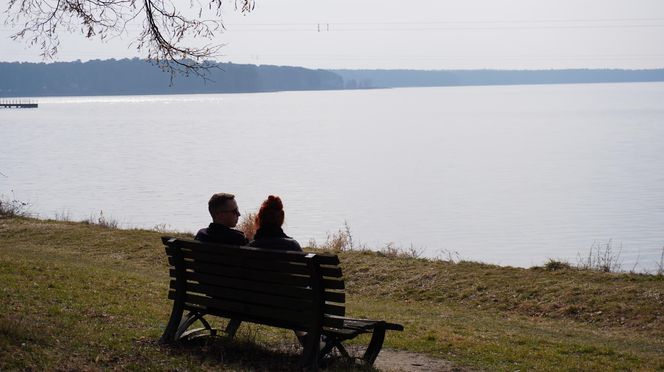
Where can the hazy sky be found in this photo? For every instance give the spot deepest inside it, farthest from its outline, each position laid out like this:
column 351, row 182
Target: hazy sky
column 425, row 34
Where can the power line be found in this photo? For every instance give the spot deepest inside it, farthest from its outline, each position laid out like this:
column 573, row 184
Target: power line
column 452, row 22
column 439, row 25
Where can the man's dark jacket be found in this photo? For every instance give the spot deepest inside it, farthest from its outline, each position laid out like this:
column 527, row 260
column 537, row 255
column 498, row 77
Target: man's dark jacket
column 216, row 233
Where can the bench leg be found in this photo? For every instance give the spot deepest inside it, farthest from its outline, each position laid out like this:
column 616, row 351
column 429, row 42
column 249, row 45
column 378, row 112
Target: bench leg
column 173, row 323
column 188, row 321
column 232, row 327
column 330, row 344
column 311, row 351
column 375, row 345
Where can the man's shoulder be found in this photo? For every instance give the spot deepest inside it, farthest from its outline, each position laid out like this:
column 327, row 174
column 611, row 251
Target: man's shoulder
column 221, row 235
column 236, row 236
column 202, row 235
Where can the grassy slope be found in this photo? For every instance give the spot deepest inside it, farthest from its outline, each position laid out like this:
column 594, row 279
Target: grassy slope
column 80, row 296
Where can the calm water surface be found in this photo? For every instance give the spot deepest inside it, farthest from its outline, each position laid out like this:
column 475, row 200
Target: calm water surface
column 507, row 174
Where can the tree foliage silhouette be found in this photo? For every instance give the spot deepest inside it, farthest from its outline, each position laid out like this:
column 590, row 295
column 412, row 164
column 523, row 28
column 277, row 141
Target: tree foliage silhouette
column 167, row 35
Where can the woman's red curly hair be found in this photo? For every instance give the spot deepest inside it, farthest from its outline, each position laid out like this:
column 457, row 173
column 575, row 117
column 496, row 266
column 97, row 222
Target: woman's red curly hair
column 271, row 212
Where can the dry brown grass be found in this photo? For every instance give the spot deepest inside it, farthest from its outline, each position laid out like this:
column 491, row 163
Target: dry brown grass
column 247, row 225
column 86, row 297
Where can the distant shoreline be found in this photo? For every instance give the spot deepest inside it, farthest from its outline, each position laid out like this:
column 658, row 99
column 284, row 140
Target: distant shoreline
column 139, row 77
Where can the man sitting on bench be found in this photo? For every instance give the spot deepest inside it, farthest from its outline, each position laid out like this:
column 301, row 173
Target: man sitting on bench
column 225, row 214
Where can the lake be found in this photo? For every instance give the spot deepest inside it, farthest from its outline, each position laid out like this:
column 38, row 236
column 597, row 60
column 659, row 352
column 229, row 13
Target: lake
column 512, row 175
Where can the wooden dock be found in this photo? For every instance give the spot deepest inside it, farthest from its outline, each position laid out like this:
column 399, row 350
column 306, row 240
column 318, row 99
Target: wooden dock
column 18, row 103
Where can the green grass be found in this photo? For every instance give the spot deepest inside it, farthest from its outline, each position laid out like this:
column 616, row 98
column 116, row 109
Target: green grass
column 82, row 296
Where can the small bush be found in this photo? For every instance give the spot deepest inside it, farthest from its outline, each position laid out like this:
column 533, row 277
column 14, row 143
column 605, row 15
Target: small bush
column 64, row 216
column 164, row 228
column 602, row 257
column 247, row 225
column 391, row 250
column 554, row 265
column 102, row 221
column 448, row 256
column 13, row 208
column 339, row 241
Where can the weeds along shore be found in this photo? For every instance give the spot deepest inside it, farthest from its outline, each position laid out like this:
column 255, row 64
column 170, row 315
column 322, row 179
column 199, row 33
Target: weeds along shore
column 84, row 295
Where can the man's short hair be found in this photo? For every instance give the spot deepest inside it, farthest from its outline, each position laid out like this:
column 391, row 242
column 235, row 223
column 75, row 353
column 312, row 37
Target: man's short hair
column 218, row 201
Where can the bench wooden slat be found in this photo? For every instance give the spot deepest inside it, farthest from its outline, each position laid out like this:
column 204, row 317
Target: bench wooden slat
column 331, row 272
column 217, row 279
column 338, row 297
column 257, row 298
column 269, row 265
column 333, row 322
column 259, row 287
column 245, row 296
column 333, row 284
column 255, row 264
column 304, row 316
column 299, row 326
column 249, row 274
column 332, row 309
column 258, row 253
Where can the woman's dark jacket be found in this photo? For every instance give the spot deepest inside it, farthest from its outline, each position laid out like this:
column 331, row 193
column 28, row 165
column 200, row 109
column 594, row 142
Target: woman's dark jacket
column 274, row 238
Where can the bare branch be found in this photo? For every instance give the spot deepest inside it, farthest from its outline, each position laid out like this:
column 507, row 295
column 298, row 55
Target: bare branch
column 164, row 37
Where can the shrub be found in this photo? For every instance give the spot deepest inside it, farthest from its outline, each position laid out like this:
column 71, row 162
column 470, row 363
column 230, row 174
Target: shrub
column 602, row 257
column 247, row 224
column 102, row 221
column 554, row 265
column 13, row 208
column 339, row 241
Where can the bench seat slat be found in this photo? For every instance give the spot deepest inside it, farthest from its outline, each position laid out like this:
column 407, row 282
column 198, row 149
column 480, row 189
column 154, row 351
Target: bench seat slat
column 366, row 324
column 332, row 322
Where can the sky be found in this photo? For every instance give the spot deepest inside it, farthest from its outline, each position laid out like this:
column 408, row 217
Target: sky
column 425, row 34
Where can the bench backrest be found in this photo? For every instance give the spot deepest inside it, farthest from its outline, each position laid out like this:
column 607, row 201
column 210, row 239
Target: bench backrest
column 294, row 290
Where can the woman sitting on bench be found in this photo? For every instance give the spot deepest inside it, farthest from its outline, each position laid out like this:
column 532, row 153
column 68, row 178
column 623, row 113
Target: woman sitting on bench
column 269, row 234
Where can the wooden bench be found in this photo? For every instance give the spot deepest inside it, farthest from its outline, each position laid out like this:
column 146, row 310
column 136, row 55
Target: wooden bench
column 291, row 290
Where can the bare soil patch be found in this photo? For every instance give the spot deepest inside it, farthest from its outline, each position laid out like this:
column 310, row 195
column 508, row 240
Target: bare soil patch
column 396, row 360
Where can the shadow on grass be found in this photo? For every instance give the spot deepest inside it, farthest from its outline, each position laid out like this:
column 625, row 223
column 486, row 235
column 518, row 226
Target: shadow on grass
column 219, row 351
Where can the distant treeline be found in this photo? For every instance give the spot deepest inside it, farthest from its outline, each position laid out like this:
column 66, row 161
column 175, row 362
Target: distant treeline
column 417, row 78
column 136, row 76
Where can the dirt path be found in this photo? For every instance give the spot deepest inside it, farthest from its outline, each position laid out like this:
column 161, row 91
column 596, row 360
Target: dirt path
column 393, row 360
